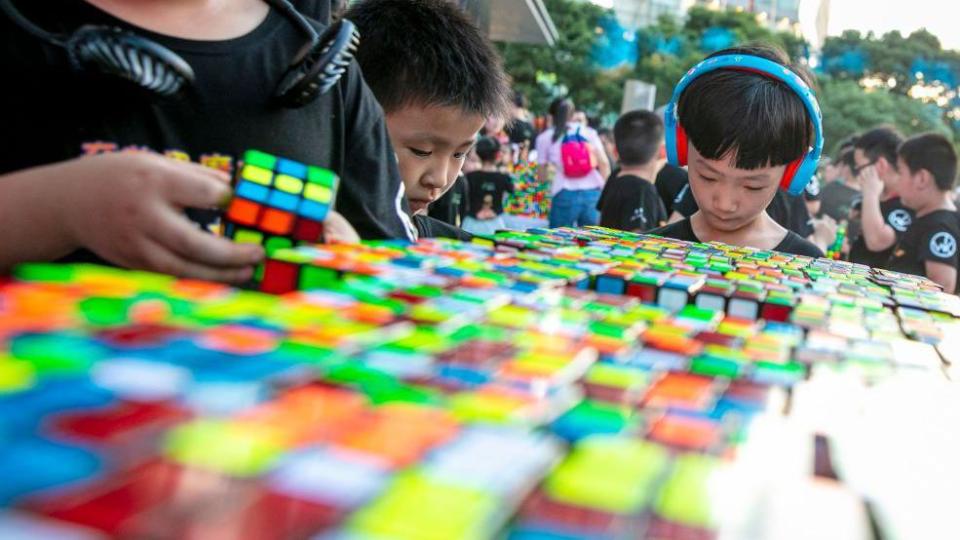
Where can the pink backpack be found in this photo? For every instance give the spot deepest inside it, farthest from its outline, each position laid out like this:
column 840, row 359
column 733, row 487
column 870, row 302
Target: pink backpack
column 576, row 156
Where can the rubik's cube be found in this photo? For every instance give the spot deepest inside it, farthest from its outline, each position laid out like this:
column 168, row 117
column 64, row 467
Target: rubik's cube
column 278, row 201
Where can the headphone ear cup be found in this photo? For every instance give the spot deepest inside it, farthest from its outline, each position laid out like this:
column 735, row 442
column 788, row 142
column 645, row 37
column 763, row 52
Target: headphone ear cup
column 123, row 54
column 321, row 67
column 682, row 146
column 798, row 174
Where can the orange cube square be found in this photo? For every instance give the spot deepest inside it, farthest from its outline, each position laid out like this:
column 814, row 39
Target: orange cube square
column 277, row 222
column 244, row 212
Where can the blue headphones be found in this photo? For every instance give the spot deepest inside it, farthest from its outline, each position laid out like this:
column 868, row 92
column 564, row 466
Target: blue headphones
column 798, row 172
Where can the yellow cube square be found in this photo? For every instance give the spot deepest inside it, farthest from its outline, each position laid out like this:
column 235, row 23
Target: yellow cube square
column 288, row 184
column 257, row 174
column 317, row 193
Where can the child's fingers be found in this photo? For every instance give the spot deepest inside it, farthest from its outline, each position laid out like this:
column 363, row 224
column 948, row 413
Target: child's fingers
column 187, row 241
column 158, row 258
column 216, row 174
column 194, row 186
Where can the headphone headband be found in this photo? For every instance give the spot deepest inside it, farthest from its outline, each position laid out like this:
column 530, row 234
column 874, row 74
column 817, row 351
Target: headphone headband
column 804, row 169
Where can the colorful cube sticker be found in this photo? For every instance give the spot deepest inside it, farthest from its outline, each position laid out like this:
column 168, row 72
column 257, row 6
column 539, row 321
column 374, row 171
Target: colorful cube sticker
column 275, row 196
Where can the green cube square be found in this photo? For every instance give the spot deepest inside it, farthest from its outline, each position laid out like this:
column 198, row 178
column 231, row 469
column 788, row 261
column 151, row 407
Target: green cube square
column 315, row 277
column 247, row 236
column 325, row 177
column 275, row 243
column 260, row 159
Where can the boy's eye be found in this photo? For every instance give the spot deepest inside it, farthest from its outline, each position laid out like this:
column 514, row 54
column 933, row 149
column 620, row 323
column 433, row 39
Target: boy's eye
column 754, row 188
column 708, row 179
column 419, row 153
column 459, row 155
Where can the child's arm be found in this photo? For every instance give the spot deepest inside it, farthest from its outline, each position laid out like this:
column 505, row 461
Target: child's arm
column 877, row 234
column 944, row 274
column 603, row 164
column 127, row 208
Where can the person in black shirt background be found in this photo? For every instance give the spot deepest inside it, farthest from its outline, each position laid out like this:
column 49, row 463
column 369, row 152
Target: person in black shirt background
column 927, row 165
column 630, row 201
column 438, row 80
column 453, row 206
column 519, row 129
column 671, row 183
column 811, row 196
column 883, row 217
column 81, row 153
column 488, row 187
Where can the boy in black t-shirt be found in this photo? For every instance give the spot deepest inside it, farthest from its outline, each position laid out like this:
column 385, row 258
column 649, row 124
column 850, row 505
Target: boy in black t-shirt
column 742, row 130
column 927, row 165
column 630, row 201
column 884, row 219
column 487, row 188
column 438, row 79
column 452, row 207
column 82, row 164
column 671, row 182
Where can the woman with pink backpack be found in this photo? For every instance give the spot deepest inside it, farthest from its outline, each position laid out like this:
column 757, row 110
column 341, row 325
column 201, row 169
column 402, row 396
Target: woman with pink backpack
column 574, row 152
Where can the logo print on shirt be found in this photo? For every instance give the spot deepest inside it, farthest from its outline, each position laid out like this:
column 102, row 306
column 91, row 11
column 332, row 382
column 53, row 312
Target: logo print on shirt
column 813, row 187
column 943, row 245
column 899, row 219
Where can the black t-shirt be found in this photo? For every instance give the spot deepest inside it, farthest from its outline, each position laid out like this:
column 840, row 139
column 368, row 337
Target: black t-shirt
column 453, row 205
column 630, row 203
column 318, row 10
column 789, row 211
column 836, row 200
column 428, row 227
column 671, row 180
column 52, row 114
column 487, row 189
column 791, row 243
column 895, row 214
column 932, row 237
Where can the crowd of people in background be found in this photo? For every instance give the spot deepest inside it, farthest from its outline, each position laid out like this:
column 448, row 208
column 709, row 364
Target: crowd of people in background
column 877, row 199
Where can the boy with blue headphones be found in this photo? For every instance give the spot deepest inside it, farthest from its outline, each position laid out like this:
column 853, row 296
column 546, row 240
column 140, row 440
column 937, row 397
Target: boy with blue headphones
column 119, row 117
column 746, row 125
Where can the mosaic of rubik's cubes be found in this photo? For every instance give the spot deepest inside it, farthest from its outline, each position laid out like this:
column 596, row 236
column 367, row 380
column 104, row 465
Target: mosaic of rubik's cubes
column 553, row 384
column 530, row 197
column 278, row 202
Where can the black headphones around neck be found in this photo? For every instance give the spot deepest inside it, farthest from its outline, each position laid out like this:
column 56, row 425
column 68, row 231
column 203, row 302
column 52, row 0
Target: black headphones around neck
column 122, row 53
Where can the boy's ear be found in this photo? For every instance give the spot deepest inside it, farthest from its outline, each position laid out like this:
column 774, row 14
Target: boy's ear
column 926, row 179
column 884, row 166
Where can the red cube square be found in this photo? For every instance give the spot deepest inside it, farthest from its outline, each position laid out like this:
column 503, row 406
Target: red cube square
column 308, row 230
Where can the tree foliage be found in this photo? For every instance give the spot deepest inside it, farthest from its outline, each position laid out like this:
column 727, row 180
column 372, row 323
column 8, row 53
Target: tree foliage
column 669, row 47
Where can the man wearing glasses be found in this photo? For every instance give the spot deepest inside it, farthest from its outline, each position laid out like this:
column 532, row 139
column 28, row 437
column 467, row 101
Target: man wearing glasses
column 884, row 218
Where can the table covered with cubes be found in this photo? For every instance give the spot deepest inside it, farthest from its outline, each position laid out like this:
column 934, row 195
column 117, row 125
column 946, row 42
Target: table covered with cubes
column 549, row 384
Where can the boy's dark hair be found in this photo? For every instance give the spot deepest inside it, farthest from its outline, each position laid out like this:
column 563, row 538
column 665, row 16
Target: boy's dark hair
column 487, row 149
column 638, row 136
column 880, row 142
column 758, row 119
column 428, row 52
column 846, row 158
column 933, row 152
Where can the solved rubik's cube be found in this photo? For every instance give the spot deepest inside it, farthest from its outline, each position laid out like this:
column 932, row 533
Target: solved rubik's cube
column 278, row 201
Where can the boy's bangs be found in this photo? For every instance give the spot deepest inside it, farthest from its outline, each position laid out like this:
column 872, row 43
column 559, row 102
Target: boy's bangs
column 758, row 120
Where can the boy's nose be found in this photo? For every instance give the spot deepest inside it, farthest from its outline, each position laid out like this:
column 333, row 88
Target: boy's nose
column 724, row 203
column 434, row 179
